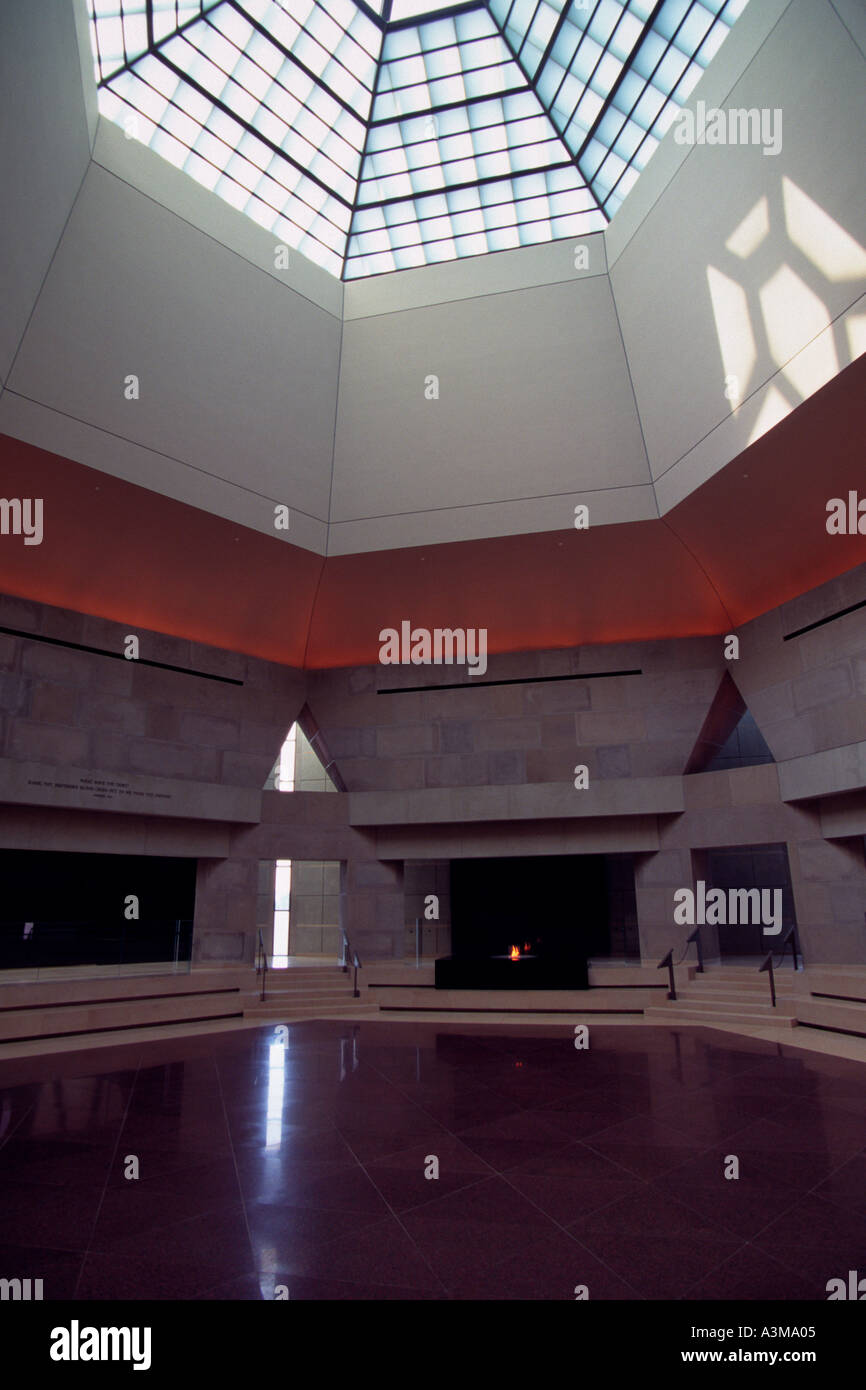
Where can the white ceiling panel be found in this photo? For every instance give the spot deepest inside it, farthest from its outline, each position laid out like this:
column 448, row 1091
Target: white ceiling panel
column 749, row 257
column 534, row 399
column 237, row 375
column 43, row 154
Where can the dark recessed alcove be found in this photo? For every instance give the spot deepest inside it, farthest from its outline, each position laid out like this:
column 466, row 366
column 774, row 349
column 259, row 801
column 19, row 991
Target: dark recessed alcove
column 70, row 909
column 553, row 908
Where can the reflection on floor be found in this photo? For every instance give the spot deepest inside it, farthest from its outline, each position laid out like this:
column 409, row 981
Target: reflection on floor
column 304, row 962
column 294, row 1166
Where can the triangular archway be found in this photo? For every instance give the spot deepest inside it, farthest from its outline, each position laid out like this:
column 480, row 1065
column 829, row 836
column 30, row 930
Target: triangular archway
column 303, row 762
column 729, row 737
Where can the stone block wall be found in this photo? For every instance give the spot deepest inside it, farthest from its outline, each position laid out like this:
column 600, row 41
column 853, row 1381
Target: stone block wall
column 75, row 708
column 808, row 693
column 67, row 708
column 265, row 876
column 829, row 882
column 508, row 735
column 656, row 878
column 314, row 911
column 421, row 878
column 225, row 913
column 69, row 712
column 371, row 907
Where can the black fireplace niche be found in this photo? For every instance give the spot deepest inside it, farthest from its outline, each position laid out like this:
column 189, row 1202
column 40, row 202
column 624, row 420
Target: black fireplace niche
column 553, row 909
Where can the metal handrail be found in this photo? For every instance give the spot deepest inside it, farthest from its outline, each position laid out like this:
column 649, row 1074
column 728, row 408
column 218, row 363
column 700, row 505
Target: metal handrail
column 696, row 938
column 791, row 935
column 344, row 963
column 669, row 963
column 262, row 969
column 768, row 966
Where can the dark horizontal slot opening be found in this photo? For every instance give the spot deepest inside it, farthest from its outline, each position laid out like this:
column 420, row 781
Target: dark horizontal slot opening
column 409, row 986
column 412, row 985
column 118, row 656
column 496, row 1009
column 90, row 1001
column 827, row 1028
column 118, row 1028
column 844, row 998
column 661, row 986
column 821, row 621
column 516, row 680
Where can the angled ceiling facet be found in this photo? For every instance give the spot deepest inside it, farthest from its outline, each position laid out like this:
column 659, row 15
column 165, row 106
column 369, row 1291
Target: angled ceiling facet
column 377, row 136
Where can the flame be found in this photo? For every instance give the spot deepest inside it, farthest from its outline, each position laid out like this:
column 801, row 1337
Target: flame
column 526, row 947
column 515, row 953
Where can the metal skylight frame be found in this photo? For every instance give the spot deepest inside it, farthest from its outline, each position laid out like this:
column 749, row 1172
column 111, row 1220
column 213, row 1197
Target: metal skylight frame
column 475, row 163
column 514, row 121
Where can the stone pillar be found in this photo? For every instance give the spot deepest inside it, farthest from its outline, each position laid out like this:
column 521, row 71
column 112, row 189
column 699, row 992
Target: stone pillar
column 266, row 874
column 710, row 943
column 371, row 907
column 657, row 876
column 829, row 882
column 421, row 879
column 315, row 908
column 225, row 913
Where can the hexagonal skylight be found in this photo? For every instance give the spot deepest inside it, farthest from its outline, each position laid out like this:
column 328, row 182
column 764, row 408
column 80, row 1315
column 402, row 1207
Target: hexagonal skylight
column 376, row 136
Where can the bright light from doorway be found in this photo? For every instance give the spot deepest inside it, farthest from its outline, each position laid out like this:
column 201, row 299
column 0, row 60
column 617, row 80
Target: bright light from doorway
column 282, row 900
column 285, row 778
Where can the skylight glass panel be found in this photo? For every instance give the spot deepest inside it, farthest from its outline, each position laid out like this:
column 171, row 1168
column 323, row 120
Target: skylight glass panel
column 671, row 17
column 371, row 143
column 542, row 26
column 712, row 43
column 446, row 63
column 168, row 17
column 118, row 34
column 465, row 145
column 513, row 212
column 588, row 82
column 604, row 19
column 409, row 9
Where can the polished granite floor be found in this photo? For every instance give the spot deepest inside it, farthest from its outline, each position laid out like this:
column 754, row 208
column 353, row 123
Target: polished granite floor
column 302, row 1165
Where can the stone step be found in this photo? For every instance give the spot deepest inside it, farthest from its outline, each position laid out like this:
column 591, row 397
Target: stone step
column 714, row 1006
column 326, row 987
column 745, row 977
column 748, row 983
column 293, row 980
column 85, row 1042
column 673, row 1013
column 854, row 1008
column 280, row 1011
column 848, row 1015
column 299, row 1001
column 94, row 1016
column 731, row 996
